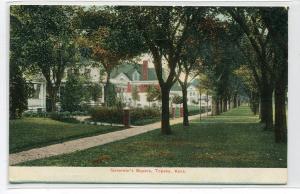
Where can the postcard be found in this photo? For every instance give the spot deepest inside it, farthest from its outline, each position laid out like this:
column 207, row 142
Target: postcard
column 148, row 94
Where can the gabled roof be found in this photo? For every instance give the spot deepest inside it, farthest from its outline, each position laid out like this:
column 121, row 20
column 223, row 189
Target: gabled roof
column 176, row 87
column 129, row 68
column 195, row 82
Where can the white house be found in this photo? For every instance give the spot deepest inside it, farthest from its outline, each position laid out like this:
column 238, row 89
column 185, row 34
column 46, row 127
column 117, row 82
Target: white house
column 125, row 77
column 37, row 100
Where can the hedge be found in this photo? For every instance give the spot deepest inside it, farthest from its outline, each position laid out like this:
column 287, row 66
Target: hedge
column 50, row 114
column 59, row 116
column 195, row 112
column 115, row 115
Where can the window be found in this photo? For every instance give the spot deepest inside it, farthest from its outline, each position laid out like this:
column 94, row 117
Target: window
column 35, row 91
column 135, row 76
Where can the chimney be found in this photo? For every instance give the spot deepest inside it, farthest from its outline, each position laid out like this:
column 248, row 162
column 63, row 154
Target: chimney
column 128, row 87
column 145, row 70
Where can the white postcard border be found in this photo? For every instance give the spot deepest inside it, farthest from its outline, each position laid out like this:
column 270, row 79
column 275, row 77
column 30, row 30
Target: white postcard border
column 293, row 94
column 156, row 175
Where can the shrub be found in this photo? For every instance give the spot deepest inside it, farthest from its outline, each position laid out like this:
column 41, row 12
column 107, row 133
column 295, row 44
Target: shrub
column 144, row 113
column 34, row 114
column 73, row 93
column 107, row 115
column 29, row 114
column 195, row 111
column 115, row 115
column 177, row 99
column 63, row 116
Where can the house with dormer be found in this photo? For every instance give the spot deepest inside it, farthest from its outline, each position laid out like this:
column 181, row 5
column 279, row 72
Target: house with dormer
column 126, row 78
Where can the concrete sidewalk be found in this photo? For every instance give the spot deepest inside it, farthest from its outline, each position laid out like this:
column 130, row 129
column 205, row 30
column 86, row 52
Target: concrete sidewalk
column 87, row 142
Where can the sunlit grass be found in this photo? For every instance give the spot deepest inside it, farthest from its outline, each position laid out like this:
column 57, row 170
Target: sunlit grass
column 29, row 133
column 233, row 139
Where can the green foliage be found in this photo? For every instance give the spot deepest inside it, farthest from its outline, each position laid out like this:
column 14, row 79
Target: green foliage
column 18, row 88
column 108, row 43
column 234, row 139
column 107, row 115
column 18, row 95
column 63, row 116
column 73, row 93
column 53, row 115
column 196, row 111
column 177, row 99
column 35, row 114
column 94, row 91
column 153, row 94
column 47, row 42
column 115, row 115
column 142, row 113
column 135, row 94
column 111, row 96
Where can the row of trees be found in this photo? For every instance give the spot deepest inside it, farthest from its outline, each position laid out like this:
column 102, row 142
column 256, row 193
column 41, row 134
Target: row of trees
column 216, row 41
column 232, row 51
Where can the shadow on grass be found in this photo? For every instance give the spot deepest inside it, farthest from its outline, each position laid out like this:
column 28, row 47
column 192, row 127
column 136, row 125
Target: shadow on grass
column 228, row 140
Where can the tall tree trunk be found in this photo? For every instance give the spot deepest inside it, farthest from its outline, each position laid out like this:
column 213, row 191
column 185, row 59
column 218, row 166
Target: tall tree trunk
column 224, row 104
column 220, row 105
column 52, row 97
column 280, row 112
column 206, row 103
column 106, row 89
column 165, row 112
column 215, row 106
column 266, row 110
column 254, row 102
column 185, row 106
column 235, row 100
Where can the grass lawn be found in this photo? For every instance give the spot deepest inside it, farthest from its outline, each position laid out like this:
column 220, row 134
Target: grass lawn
column 29, row 133
column 233, row 139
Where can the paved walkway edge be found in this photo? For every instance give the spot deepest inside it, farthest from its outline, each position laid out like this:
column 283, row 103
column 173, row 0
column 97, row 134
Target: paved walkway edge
column 87, row 142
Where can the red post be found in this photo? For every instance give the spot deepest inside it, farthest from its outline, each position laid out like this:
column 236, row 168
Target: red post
column 174, row 112
column 181, row 111
column 126, row 117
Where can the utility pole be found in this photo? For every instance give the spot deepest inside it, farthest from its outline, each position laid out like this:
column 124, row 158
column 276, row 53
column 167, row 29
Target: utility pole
column 200, row 103
column 206, row 103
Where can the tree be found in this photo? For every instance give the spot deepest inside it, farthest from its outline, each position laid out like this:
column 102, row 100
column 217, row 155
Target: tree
column 153, row 94
column 111, row 97
column 249, row 85
column 103, row 35
column 164, row 29
column 18, row 88
column 218, row 60
column 177, row 99
column 94, row 91
column 204, row 87
column 135, row 94
column 276, row 21
column 258, row 37
column 48, row 43
column 190, row 65
column 72, row 93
